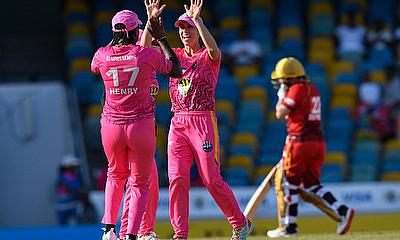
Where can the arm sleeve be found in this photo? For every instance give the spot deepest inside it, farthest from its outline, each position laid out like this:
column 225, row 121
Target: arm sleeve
column 294, row 96
column 94, row 66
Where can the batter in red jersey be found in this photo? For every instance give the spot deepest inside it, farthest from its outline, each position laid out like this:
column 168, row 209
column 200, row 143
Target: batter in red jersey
column 304, row 152
column 193, row 132
column 128, row 114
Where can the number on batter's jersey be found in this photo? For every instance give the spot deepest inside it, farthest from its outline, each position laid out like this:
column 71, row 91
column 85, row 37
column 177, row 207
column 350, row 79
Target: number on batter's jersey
column 315, row 113
column 114, row 73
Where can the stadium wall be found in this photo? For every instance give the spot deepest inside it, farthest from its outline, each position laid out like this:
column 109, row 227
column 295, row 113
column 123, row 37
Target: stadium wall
column 35, row 134
column 366, row 198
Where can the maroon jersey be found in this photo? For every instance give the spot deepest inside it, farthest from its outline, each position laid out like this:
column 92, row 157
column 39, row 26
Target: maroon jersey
column 304, row 101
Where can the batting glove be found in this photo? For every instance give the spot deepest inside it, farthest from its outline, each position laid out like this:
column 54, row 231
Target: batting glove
column 282, row 91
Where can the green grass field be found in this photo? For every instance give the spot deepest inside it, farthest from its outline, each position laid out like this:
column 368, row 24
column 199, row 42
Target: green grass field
column 377, row 226
column 326, row 236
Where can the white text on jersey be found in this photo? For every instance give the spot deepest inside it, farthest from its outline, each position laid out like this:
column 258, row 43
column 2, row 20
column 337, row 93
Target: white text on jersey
column 120, row 58
column 123, row 91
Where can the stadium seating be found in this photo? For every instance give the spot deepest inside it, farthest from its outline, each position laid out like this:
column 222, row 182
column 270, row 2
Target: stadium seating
column 245, row 98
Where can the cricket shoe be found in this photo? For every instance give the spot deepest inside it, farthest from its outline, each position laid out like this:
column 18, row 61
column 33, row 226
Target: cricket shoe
column 110, row 235
column 278, row 233
column 242, row 233
column 344, row 225
column 148, row 236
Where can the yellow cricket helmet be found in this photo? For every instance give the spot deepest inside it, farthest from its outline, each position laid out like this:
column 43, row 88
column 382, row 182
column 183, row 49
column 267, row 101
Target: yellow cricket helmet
column 288, row 67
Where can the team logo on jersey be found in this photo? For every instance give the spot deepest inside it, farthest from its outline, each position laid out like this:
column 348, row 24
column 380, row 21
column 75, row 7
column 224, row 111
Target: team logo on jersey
column 184, row 86
column 153, row 90
column 207, row 146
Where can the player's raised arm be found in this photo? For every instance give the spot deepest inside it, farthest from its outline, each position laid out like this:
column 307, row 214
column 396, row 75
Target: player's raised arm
column 153, row 9
column 156, row 29
column 194, row 13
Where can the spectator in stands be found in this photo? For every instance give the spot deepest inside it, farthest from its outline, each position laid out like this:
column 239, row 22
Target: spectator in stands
column 397, row 41
column 379, row 36
column 350, row 36
column 373, row 111
column 370, row 95
column 244, row 51
column 69, row 189
column 392, row 99
column 392, row 89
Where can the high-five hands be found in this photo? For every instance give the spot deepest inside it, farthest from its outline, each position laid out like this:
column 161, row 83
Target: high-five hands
column 153, row 8
column 195, row 8
column 156, row 28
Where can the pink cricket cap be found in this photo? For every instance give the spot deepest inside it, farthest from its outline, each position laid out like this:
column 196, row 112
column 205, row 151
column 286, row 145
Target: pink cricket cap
column 126, row 17
column 184, row 17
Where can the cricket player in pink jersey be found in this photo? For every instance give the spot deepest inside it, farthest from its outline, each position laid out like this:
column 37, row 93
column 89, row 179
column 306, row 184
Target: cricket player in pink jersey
column 193, row 132
column 128, row 114
column 146, row 230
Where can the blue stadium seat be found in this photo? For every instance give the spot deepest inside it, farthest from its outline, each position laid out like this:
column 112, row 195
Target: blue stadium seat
column 345, row 124
column 269, row 158
column 363, row 172
column 253, row 126
column 382, row 55
column 242, row 149
column 224, row 134
column 392, row 156
column 340, row 113
column 228, row 89
column 391, row 167
column 163, row 113
column 382, row 10
column 92, row 133
column 366, row 145
column 104, row 5
column 79, row 47
column 338, row 145
column 103, row 35
column 83, row 83
column 259, row 81
column 77, row 17
column 370, row 65
column 368, row 157
column 332, row 172
column 237, row 176
column 351, row 78
column 322, row 24
column 294, row 47
column 273, row 140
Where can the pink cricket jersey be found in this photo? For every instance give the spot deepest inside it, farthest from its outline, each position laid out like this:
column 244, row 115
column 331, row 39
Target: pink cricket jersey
column 195, row 90
column 128, row 73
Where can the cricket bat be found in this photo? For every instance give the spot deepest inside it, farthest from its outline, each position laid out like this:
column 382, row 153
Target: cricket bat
column 260, row 193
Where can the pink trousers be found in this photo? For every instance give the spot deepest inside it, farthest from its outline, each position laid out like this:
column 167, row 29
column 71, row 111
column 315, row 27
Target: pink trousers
column 149, row 217
column 130, row 153
column 194, row 135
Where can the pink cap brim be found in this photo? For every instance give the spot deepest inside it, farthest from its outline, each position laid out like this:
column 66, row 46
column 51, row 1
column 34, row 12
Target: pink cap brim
column 184, row 18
